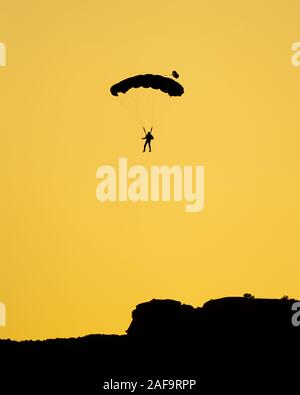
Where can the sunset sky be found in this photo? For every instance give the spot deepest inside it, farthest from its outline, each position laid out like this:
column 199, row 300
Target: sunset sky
column 70, row 265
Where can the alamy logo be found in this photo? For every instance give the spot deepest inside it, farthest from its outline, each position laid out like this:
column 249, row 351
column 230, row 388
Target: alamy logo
column 2, row 55
column 2, row 314
column 137, row 183
column 296, row 316
column 296, row 55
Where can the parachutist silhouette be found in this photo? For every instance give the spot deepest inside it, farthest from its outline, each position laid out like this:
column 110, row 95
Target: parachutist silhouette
column 168, row 86
column 148, row 137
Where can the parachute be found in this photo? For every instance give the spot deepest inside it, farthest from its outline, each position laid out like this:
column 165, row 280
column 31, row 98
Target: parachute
column 165, row 84
column 148, row 95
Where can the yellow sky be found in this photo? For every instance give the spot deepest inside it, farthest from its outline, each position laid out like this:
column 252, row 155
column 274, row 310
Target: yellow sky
column 71, row 265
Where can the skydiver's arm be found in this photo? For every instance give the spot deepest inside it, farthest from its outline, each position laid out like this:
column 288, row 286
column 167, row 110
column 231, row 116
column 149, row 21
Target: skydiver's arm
column 151, row 129
column 144, row 130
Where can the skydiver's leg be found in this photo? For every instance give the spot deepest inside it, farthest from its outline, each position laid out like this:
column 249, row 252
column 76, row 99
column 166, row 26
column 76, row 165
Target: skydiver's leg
column 145, row 146
column 150, row 146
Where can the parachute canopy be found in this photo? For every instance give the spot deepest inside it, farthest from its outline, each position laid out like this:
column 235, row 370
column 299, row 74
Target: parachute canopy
column 165, row 84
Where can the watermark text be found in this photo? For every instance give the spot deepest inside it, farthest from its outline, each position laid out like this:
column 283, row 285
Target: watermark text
column 295, row 59
column 296, row 315
column 158, row 183
column 2, row 314
column 2, row 55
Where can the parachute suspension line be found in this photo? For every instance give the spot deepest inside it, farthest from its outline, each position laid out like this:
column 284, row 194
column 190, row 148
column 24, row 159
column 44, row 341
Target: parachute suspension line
column 160, row 105
column 168, row 107
column 151, row 104
column 130, row 104
column 123, row 104
column 142, row 100
column 136, row 108
column 141, row 106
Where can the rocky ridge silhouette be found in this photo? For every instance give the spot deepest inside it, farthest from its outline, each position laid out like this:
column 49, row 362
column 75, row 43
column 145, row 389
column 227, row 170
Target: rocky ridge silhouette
column 221, row 344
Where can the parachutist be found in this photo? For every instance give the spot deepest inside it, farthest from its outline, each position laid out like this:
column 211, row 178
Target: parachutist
column 148, row 137
column 143, row 82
